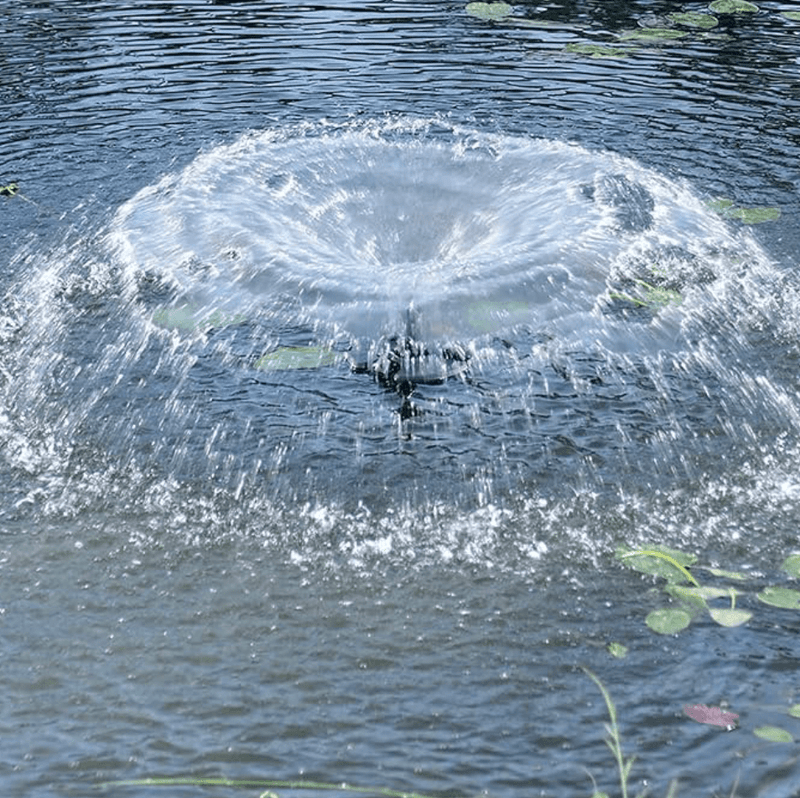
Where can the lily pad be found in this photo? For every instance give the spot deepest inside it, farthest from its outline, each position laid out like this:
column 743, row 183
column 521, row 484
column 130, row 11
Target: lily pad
column 653, row 34
column 794, row 710
column 774, row 734
column 617, row 650
column 727, row 208
column 782, row 597
column 792, row 565
column 713, row 716
column 732, row 7
column 494, row 12
column 693, row 19
column 668, row 621
column 794, row 15
column 188, row 318
column 290, row 358
column 730, row 617
column 596, row 50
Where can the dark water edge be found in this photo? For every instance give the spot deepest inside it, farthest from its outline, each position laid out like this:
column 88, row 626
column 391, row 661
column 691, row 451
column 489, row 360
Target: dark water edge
column 163, row 623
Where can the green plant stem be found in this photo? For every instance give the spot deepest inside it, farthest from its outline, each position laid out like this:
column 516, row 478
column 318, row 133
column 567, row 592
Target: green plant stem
column 671, row 560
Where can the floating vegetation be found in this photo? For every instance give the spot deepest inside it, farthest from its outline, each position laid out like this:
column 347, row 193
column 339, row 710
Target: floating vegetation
column 773, row 734
column 9, row 189
column 290, row 358
column 596, row 50
column 729, row 210
column 694, row 600
column 732, row 7
column 493, row 12
column 186, row 318
column 694, row 19
column 793, row 15
column 617, row 650
column 646, row 295
column 653, row 34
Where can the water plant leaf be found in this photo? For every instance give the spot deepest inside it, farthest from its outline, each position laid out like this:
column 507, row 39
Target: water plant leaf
column 617, row 650
column 185, row 317
column 694, row 19
column 670, row 564
column 794, row 710
column 757, row 215
column 792, row 565
column 653, row 34
column 732, row 7
column 668, row 621
column 289, row 358
column 782, row 597
column 494, row 12
column 596, row 50
column 794, row 15
column 10, row 189
column 730, row 616
column 712, row 716
column 739, row 576
column 774, row 734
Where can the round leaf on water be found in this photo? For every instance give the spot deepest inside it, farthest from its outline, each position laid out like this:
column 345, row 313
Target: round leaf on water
column 729, row 617
column 794, row 710
column 490, row 11
column 781, row 597
column 617, row 650
column 732, row 7
column 693, row 19
column 654, row 34
column 792, row 565
column 296, row 357
column 596, row 50
column 794, row 15
column 668, row 621
column 774, row 734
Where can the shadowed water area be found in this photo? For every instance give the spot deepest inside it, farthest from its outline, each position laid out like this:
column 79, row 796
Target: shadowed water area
column 341, row 347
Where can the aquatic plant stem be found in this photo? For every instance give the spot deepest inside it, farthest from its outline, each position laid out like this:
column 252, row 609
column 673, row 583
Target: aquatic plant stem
column 671, row 560
column 613, row 740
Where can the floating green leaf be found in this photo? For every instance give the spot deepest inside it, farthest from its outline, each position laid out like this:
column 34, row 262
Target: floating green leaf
column 185, row 317
column 792, row 565
column 617, row 650
column 668, row 621
column 493, row 12
column 653, row 34
column 596, row 50
column 793, row 15
column 10, row 189
column 781, row 597
column 730, row 617
column 774, row 734
column 726, row 207
column 289, row 358
column 670, row 564
column 794, row 710
column 723, row 574
column 693, row 19
column 732, row 7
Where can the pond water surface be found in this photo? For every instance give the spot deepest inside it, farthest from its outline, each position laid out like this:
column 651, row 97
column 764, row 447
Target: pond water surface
column 342, row 345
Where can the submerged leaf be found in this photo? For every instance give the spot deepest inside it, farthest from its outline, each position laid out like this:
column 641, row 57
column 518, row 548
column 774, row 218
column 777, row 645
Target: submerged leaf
column 693, row 19
column 781, row 597
column 733, row 7
column 289, row 358
column 490, row 11
column 792, row 565
column 654, row 34
column 774, row 734
column 713, row 716
column 668, row 621
column 726, row 208
column 617, row 650
column 596, row 50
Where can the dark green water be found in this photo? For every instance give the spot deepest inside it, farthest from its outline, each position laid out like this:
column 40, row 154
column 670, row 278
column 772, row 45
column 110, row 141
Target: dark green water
column 212, row 568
